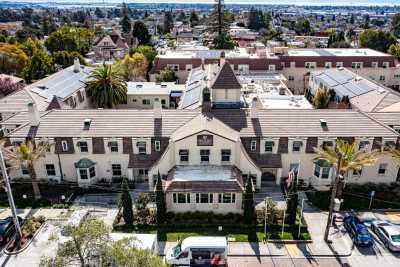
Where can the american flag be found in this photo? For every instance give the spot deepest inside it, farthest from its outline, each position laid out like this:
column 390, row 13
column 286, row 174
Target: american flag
column 290, row 178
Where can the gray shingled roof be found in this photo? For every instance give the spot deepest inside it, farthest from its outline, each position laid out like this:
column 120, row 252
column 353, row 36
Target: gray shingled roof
column 226, row 79
column 388, row 118
column 303, row 123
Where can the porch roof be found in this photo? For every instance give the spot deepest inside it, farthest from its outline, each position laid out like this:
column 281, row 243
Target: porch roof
column 204, row 178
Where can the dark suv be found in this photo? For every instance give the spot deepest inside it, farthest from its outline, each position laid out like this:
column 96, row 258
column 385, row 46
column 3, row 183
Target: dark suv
column 357, row 230
column 7, row 229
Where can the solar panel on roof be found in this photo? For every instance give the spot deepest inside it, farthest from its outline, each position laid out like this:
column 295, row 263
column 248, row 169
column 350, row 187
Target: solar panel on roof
column 191, row 97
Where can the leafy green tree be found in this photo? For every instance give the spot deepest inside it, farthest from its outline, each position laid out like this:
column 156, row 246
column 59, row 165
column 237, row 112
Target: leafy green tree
column 194, row 18
column 248, row 201
column 168, row 22
column 167, row 75
column 126, row 203
column 256, row 19
column 378, row 40
column 12, row 59
column 303, row 27
column 218, row 20
column 70, row 39
column 106, row 87
column 39, row 64
column 292, row 203
column 123, row 254
column 141, row 32
column 321, row 99
column 142, row 210
column 87, row 242
column 223, row 41
column 160, row 200
column 394, row 50
column 65, row 58
column 395, row 27
column 125, row 22
column 132, row 68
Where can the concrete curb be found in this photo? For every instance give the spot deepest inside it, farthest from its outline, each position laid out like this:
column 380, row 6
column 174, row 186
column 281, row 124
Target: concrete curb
column 6, row 252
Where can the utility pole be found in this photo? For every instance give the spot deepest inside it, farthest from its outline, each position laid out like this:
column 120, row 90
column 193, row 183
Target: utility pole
column 10, row 196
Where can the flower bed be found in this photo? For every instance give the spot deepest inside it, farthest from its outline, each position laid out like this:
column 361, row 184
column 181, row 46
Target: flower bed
column 29, row 229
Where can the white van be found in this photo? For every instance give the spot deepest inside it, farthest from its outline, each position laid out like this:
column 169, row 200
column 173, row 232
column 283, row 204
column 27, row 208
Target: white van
column 198, row 251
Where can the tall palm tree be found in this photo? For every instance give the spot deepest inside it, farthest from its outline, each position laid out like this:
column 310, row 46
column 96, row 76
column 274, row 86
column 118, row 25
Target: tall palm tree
column 344, row 158
column 26, row 155
column 106, row 87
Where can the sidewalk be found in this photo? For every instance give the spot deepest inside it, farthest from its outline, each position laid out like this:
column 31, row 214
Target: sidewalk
column 341, row 245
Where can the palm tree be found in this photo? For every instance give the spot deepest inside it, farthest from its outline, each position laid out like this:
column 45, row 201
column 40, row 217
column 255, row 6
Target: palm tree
column 395, row 153
column 344, row 158
column 26, row 155
column 106, row 87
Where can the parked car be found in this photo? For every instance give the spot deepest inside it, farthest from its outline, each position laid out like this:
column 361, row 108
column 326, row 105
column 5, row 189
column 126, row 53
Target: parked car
column 7, row 229
column 357, row 230
column 388, row 233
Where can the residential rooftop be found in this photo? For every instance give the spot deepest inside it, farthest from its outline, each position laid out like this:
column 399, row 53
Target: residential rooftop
column 153, row 88
column 334, row 52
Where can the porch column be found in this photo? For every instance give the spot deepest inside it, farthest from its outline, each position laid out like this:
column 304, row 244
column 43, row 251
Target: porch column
column 258, row 180
column 278, row 176
column 130, row 174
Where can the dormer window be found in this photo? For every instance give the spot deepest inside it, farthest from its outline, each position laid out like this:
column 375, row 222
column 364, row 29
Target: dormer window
column 253, row 145
column 83, row 146
column 86, row 124
column 269, row 146
column 141, row 147
column 296, row 147
column 363, row 145
column 113, row 145
column 64, row 145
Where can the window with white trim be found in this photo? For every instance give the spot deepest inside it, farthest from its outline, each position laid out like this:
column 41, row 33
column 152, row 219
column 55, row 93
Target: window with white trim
column 374, row 65
column 146, row 102
column 339, row 64
column 157, row 145
column 271, row 67
column 385, row 65
column 204, row 155
column 189, row 67
column 310, row 65
column 83, row 146
column 141, row 147
column 269, row 146
column 143, row 172
column 382, row 78
column 184, row 155
column 113, row 145
column 253, row 145
column 243, row 68
column 50, row 170
column 363, row 145
column 322, row 169
column 116, row 170
column 225, row 155
column 24, row 170
column 382, row 169
column 357, row 173
column 64, row 145
column 296, row 146
column 226, row 198
column 181, row 198
column 328, row 65
column 204, row 198
column 174, row 67
column 92, row 172
column 356, row 65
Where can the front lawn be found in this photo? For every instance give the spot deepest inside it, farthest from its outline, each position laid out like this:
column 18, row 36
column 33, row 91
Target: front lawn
column 240, row 233
column 357, row 197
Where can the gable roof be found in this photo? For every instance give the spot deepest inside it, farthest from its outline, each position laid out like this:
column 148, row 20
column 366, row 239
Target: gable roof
column 226, row 79
column 203, row 123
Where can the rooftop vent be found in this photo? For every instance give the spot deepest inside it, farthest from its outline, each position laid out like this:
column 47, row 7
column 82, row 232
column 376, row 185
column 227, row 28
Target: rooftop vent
column 381, row 90
column 42, row 87
column 323, row 123
column 86, row 124
column 163, row 86
column 139, row 85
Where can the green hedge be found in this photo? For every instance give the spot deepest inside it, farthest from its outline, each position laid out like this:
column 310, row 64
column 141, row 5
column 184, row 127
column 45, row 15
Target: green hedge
column 240, row 232
column 357, row 197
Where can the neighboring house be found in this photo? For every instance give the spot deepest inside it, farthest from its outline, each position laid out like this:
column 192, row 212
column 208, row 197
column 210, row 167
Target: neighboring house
column 294, row 64
column 364, row 94
column 142, row 95
column 64, row 89
column 203, row 156
column 111, row 47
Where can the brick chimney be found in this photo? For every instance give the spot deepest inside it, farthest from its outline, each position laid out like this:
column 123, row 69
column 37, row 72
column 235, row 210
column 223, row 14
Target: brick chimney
column 33, row 114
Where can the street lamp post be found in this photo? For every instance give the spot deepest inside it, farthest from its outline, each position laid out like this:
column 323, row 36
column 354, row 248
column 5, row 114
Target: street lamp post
column 10, row 196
